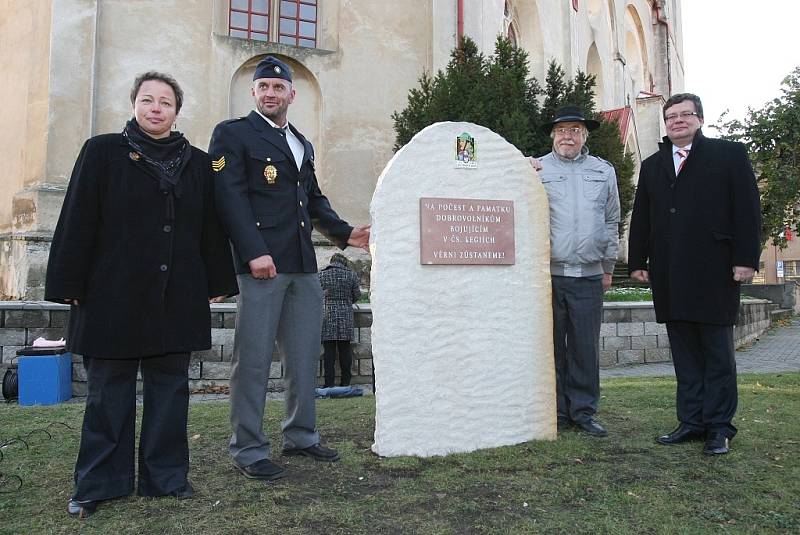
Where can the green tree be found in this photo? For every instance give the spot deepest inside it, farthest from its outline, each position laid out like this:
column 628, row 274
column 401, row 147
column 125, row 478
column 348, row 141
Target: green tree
column 772, row 136
column 494, row 92
column 497, row 92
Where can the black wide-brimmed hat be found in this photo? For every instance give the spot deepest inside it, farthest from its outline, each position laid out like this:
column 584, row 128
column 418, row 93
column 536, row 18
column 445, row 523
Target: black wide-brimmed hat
column 569, row 114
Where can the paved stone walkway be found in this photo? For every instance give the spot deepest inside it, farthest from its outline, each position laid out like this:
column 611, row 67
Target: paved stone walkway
column 777, row 350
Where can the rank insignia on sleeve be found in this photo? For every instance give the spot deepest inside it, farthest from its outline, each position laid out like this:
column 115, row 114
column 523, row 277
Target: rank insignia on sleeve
column 217, row 165
column 271, row 174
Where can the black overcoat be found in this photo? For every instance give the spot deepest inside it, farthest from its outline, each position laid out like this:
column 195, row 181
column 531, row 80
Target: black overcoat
column 690, row 230
column 142, row 278
column 267, row 205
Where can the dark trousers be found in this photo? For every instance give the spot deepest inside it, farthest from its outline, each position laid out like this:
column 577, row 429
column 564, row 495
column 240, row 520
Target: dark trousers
column 705, row 367
column 345, row 361
column 577, row 314
column 105, row 465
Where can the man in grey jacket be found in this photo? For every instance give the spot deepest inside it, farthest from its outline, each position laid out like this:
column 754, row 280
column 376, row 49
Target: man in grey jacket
column 584, row 221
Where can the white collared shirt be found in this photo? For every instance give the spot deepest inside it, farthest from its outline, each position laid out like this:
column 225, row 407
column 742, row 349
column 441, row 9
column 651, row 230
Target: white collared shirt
column 296, row 146
column 676, row 159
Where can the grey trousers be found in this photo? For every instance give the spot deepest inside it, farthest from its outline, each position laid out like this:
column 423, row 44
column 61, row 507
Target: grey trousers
column 288, row 309
column 577, row 314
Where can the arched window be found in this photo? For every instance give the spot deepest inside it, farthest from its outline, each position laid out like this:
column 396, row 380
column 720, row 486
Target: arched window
column 295, row 22
column 510, row 23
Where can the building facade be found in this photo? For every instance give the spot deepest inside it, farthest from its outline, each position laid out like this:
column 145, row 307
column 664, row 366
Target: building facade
column 69, row 65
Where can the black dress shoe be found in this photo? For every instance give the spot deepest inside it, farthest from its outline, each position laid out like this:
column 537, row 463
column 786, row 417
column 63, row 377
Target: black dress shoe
column 81, row 508
column 681, row 434
column 262, row 469
column 316, row 452
column 717, row 444
column 186, row 491
column 592, row 427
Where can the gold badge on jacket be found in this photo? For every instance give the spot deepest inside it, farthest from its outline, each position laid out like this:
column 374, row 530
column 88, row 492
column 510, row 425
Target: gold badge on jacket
column 218, row 165
column 134, row 156
column 271, row 174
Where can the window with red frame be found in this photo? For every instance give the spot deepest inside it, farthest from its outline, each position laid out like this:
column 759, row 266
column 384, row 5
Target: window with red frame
column 298, row 23
column 295, row 23
column 249, row 19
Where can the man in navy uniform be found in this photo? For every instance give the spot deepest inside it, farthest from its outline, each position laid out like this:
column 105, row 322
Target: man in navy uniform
column 269, row 200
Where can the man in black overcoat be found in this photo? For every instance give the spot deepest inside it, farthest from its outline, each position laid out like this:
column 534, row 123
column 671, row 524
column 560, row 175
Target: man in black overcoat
column 694, row 236
column 269, row 200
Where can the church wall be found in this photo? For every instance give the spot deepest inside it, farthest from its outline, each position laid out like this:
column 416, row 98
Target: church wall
column 24, row 54
column 369, row 54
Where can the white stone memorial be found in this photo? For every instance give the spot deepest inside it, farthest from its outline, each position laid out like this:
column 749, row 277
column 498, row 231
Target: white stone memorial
column 462, row 336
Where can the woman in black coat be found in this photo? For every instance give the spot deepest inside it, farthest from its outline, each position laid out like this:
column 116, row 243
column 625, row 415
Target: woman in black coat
column 138, row 253
column 340, row 289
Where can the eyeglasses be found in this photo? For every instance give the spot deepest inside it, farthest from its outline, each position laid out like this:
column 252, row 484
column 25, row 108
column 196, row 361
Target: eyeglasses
column 683, row 115
column 562, row 131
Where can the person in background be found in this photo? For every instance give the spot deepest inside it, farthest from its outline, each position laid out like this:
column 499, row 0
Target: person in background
column 694, row 237
column 138, row 253
column 340, row 289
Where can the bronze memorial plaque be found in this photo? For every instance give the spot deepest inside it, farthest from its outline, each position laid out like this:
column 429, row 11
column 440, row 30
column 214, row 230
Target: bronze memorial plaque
column 466, row 231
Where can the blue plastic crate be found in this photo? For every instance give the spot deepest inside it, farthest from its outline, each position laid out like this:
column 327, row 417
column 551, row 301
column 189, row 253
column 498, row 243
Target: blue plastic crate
column 45, row 376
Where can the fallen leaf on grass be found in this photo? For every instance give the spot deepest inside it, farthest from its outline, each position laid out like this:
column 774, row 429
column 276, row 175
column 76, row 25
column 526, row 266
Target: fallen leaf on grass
column 578, row 461
column 195, row 437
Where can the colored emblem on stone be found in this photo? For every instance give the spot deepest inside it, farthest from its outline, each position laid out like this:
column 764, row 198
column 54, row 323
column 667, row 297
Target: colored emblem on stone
column 271, row 174
column 466, row 154
column 218, row 165
column 134, row 156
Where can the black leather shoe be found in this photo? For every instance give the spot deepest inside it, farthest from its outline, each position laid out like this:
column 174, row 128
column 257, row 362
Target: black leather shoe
column 592, row 427
column 186, row 491
column 717, row 444
column 81, row 508
column 262, row 469
column 316, row 452
column 681, row 434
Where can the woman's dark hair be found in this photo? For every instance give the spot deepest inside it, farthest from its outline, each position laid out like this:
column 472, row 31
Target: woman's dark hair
column 159, row 77
column 339, row 258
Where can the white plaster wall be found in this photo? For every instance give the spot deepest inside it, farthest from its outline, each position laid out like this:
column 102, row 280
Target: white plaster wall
column 171, row 37
column 24, row 53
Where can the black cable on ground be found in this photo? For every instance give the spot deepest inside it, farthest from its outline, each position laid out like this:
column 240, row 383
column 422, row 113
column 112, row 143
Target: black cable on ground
column 7, row 479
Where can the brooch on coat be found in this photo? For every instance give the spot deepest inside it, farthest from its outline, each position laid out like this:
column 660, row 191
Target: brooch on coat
column 271, row 174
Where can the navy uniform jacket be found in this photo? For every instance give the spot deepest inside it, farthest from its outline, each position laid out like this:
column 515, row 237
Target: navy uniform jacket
column 267, row 206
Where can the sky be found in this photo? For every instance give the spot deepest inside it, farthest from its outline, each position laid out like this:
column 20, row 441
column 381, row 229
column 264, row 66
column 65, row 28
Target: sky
column 737, row 52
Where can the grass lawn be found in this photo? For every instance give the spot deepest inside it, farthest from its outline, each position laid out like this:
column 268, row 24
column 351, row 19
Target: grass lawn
column 621, row 484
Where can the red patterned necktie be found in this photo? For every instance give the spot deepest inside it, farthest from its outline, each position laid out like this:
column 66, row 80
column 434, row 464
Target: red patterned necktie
column 683, row 153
